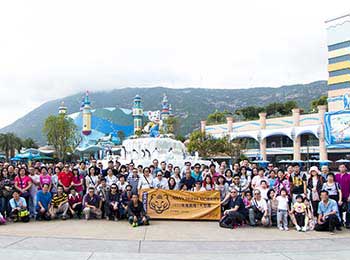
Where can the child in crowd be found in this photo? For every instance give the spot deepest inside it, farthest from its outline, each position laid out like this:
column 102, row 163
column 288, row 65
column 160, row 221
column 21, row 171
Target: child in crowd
column 299, row 213
column 309, row 219
column 282, row 210
column 263, row 187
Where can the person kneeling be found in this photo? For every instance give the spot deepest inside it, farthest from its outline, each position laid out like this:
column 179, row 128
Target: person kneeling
column 136, row 212
column 19, row 211
column 75, row 203
column 43, row 200
column 328, row 214
column 59, row 204
column 258, row 213
column 92, row 205
column 236, row 212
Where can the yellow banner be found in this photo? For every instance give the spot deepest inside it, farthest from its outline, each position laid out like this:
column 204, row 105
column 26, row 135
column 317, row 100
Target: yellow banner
column 170, row 204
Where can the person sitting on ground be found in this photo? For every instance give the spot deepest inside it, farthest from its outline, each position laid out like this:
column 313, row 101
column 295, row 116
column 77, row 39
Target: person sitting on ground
column 258, row 213
column 309, row 215
column 92, row 204
column 136, row 212
column 75, row 203
column 43, row 200
column 299, row 213
column 19, row 211
column 59, row 204
column 125, row 199
column 236, row 211
column 282, row 210
column 328, row 214
column 113, row 203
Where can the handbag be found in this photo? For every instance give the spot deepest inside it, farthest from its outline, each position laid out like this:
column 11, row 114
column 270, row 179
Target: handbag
column 23, row 213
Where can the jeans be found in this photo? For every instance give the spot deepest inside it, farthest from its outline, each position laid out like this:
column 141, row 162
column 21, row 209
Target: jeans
column 282, row 218
column 255, row 216
column 139, row 220
column 300, row 219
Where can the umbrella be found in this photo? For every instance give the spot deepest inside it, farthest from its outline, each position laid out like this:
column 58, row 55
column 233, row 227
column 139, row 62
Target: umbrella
column 42, row 158
column 297, row 161
column 260, row 161
column 343, row 161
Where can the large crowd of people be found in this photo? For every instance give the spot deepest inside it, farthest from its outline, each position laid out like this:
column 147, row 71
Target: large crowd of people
column 250, row 195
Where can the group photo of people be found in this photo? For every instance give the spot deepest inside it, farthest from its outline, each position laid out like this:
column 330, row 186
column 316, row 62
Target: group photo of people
column 251, row 195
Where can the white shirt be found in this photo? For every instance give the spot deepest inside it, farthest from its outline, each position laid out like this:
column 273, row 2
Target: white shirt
column 111, row 179
column 122, row 187
column 260, row 204
column 282, row 202
column 145, row 182
column 160, row 184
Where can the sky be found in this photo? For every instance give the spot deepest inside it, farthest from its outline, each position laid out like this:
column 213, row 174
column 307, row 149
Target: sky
column 51, row 49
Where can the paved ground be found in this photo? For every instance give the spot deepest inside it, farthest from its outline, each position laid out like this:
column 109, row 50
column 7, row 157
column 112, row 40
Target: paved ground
column 164, row 239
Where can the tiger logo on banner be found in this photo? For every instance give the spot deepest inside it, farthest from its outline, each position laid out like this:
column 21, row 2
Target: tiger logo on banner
column 173, row 204
column 159, row 203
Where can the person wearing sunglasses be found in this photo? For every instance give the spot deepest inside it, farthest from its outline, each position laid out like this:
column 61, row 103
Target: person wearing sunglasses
column 258, row 213
column 235, row 213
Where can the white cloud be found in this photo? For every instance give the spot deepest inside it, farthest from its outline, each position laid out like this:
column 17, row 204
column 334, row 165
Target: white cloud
column 50, row 49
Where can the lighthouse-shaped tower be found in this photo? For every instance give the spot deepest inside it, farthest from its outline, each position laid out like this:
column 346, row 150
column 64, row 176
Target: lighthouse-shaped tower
column 137, row 113
column 165, row 108
column 62, row 110
column 86, row 115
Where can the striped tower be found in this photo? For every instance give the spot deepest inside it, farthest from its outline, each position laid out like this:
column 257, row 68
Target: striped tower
column 137, row 113
column 86, row 115
column 338, row 35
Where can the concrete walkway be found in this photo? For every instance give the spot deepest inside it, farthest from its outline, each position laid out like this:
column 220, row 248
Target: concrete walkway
column 75, row 239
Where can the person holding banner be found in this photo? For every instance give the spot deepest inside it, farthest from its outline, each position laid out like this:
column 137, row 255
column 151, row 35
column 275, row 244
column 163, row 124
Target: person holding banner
column 136, row 212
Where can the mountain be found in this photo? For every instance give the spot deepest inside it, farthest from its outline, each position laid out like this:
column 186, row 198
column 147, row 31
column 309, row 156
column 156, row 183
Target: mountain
column 190, row 104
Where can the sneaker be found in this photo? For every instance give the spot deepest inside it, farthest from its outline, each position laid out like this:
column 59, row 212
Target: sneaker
column 338, row 228
column 134, row 224
column 281, row 228
column 286, row 228
column 64, row 217
column 298, row 228
column 303, row 229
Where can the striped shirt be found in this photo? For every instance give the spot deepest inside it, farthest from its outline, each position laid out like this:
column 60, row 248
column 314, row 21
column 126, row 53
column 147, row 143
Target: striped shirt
column 57, row 200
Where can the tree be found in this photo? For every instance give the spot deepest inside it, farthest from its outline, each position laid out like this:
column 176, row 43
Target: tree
column 61, row 133
column 218, row 117
column 29, row 143
column 9, row 143
column 172, row 125
column 202, row 143
column 318, row 102
column 250, row 112
column 121, row 135
column 232, row 148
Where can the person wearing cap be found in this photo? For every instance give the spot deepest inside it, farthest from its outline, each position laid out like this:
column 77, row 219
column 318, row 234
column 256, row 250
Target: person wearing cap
column 160, row 182
column 314, row 186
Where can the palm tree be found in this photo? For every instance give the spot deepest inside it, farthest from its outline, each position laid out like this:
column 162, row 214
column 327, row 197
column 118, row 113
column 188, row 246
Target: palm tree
column 9, row 143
